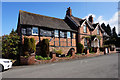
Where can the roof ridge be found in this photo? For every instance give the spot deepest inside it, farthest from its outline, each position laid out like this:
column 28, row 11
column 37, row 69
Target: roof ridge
column 40, row 15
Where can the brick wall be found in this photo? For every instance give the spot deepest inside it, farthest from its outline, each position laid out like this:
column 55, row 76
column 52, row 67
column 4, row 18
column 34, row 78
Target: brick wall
column 95, row 33
column 65, row 43
column 82, row 34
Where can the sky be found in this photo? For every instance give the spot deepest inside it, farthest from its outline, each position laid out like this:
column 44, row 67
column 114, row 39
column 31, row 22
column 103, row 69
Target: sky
column 106, row 12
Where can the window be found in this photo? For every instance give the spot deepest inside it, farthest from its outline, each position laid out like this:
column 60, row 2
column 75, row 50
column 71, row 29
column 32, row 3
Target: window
column 62, row 35
column 45, row 33
column 98, row 43
column 34, row 31
column 68, row 35
column 56, row 33
column 85, row 42
column 85, row 28
column 29, row 31
column 23, row 31
column 98, row 31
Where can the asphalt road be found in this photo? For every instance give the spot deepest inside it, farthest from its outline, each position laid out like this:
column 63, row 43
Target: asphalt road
column 97, row 67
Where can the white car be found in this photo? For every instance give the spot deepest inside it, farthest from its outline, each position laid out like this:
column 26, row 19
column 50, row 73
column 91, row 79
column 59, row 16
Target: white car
column 5, row 64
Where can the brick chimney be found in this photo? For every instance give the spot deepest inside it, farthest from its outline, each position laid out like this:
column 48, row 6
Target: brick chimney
column 90, row 18
column 69, row 12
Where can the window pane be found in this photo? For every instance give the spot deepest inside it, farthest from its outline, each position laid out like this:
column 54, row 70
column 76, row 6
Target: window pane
column 29, row 31
column 85, row 28
column 68, row 34
column 97, row 30
column 85, row 42
column 56, row 33
column 62, row 34
column 45, row 32
column 23, row 31
column 35, row 30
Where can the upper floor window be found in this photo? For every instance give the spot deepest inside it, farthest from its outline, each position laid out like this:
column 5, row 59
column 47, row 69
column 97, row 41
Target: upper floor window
column 34, row 31
column 85, row 28
column 45, row 32
column 62, row 34
column 98, row 31
column 29, row 31
column 68, row 35
column 56, row 32
column 24, row 31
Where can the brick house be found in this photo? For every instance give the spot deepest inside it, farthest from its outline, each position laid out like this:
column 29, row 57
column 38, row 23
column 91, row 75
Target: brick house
column 62, row 33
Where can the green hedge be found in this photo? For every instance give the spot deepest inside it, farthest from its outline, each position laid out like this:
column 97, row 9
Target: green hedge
column 80, row 48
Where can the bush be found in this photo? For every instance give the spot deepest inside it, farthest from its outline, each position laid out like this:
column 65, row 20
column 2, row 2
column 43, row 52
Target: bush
column 32, row 46
column 80, row 48
column 42, row 58
column 91, row 50
column 29, row 45
column 101, row 48
column 45, row 48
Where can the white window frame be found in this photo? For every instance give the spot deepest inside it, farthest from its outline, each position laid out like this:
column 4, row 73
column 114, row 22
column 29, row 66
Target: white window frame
column 56, row 34
column 98, row 32
column 69, row 34
column 32, row 31
column 84, row 28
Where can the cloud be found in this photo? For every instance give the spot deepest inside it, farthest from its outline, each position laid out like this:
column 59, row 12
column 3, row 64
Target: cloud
column 113, row 21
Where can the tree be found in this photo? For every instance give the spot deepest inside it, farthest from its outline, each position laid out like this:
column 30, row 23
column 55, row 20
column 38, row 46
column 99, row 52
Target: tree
column 10, row 45
column 114, row 34
column 103, row 26
column 108, row 30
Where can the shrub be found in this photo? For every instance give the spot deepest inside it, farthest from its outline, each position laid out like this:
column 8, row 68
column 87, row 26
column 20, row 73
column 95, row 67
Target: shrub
column 101, row 48
column 80, row 48
column 45, row 48
column 32, row 46
column 58, row 51
column 29, row 45
column 48, row 58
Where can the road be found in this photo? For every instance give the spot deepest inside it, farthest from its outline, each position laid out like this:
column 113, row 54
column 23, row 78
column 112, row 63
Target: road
column 98, row 67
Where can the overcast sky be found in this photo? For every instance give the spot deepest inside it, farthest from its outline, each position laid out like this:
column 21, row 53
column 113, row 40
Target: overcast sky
column 106, row 12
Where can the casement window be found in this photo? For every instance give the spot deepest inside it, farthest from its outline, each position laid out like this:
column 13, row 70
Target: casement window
column 35, row 31
column 62, row 34
column 24, row 31
column 98, row 31
column 85, row 42
column 68, row 35
column 56, row 33
column 45, row 33
column 29, row 31
column 84, row 28
column 98, row 43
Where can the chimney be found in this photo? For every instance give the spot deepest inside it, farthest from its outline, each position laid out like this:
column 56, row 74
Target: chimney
column 69, row 12
column 90, row 18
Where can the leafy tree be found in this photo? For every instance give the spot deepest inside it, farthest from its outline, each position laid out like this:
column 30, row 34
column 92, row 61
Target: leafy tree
column 10, row 45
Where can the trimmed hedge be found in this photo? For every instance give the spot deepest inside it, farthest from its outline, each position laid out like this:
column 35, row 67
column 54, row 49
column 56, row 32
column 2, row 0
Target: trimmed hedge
column 80, row 48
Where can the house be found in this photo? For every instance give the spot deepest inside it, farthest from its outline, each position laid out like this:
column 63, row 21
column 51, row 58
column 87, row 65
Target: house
column 64, row 33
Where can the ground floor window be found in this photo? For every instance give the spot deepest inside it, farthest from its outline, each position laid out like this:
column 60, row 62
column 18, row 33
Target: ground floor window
column 85, row 42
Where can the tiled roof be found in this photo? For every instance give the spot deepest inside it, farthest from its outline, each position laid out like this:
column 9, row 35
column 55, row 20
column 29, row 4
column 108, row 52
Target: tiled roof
column 27, row 18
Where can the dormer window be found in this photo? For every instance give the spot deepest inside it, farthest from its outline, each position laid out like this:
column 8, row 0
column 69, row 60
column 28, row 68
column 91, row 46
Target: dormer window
column 85, row 28
column 98, row 31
